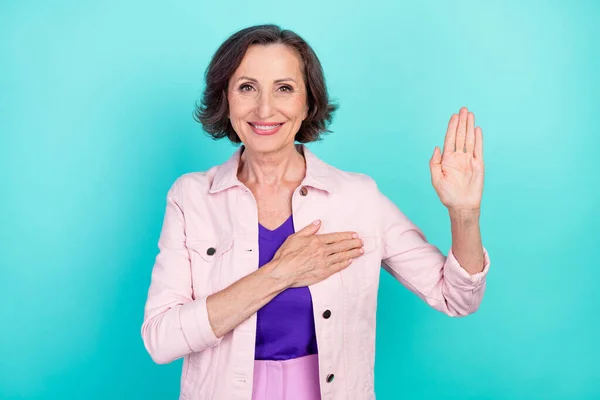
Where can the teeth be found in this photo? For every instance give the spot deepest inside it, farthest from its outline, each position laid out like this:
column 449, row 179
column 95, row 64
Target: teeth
column 266, row 127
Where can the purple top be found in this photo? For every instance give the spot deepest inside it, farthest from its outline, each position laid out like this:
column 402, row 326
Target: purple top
column 285, row 326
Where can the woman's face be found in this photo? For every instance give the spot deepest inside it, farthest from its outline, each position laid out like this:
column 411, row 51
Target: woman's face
column 267, row 98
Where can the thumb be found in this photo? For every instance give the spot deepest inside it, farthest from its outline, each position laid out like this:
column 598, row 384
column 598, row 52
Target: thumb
column 435, row 164
column 310, row 229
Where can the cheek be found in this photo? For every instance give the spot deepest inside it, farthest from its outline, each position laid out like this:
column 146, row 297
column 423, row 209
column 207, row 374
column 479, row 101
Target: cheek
column 239, row 106
column 296, row 108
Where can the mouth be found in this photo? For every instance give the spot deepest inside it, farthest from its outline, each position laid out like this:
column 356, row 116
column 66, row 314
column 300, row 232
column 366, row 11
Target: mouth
column 265, row 128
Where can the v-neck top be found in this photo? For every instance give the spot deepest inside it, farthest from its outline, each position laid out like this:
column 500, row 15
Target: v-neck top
column 285, row 326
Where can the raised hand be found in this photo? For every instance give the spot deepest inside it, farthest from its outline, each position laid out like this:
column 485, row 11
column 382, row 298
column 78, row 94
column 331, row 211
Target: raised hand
column 457, row 174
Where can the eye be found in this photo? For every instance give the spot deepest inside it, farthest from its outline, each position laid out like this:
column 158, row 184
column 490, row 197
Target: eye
column 286, row 88
column 246, row 87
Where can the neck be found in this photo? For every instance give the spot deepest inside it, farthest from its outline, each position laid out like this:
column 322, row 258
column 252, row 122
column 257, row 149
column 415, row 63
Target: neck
column 273, row 168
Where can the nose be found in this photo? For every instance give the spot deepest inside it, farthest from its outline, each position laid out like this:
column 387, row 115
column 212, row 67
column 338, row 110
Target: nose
column 265, row 105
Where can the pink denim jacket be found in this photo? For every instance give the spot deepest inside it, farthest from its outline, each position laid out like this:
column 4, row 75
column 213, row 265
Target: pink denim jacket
column 209, row 240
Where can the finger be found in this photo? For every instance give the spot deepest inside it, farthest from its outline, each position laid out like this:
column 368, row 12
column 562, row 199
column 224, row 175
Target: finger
column 478, row 143
column 470, row 141
column 343, row 245
column 337, row 267
column 310, row 229
column 435, row 165
column 327, row 238
column 450, row 140
column 461, row 131
column 344, row 255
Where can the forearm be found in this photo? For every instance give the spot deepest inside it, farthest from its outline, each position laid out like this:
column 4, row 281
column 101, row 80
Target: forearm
column 174, row 325
column 466, row 240
column 233, row 305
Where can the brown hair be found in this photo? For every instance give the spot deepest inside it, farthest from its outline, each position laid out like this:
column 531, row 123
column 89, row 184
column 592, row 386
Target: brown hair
column 213, row 110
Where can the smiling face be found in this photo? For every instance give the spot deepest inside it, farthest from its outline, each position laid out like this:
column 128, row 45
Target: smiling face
column 267, row 98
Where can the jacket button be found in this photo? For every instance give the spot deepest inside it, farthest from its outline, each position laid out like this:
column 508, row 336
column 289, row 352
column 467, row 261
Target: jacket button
column 327, row 314
column 330, row 378
column 303, row 191
column 211, row 251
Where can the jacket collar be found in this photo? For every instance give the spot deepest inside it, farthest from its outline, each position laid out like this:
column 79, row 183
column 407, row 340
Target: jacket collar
column 318, row 173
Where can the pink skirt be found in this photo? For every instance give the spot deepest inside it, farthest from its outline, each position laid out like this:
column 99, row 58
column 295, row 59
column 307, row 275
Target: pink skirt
column 295, row 379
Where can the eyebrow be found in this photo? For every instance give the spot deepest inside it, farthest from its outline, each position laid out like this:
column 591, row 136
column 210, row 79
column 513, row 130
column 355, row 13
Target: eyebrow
column 276, row 81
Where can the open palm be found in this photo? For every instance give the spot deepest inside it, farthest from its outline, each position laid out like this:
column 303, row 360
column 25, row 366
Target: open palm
column 457, row 174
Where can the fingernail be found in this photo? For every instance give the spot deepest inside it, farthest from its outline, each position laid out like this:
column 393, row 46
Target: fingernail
column 350, row 261
column 362, row 250
column 354, row 236
column 362, row 241
column 317, row 222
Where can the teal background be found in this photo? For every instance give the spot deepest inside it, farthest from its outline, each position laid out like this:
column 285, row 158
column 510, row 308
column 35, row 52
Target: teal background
column 96, row 102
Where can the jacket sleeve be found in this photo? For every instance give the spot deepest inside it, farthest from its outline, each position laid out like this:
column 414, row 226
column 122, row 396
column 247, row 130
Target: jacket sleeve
column 420, row 266
column 174, row 323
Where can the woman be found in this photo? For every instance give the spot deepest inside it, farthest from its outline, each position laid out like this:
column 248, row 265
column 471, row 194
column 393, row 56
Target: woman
column 267, row 275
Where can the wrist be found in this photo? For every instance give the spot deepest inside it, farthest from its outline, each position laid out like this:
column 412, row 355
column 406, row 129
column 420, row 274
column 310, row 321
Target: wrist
column 464, row 215
column 275, row 281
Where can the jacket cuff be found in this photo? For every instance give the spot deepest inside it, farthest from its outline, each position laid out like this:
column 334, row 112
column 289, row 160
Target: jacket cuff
column 459, row 277
column 194, row 323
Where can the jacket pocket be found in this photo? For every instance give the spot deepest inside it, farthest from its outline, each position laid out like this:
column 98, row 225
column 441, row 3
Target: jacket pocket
column 370, row 244
column 363, row 273
column 208, row 258
column 210, row 249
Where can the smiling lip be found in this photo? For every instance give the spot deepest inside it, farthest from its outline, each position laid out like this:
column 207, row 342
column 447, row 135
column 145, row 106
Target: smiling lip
column 265, row 128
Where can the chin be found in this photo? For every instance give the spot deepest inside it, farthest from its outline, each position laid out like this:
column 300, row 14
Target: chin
column 266, row 144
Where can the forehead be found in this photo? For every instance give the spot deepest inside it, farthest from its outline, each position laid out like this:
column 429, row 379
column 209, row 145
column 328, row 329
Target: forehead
column 270, row 62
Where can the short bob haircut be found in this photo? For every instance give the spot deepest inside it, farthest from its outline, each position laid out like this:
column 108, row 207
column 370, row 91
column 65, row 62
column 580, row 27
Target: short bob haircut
column 213, row 110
